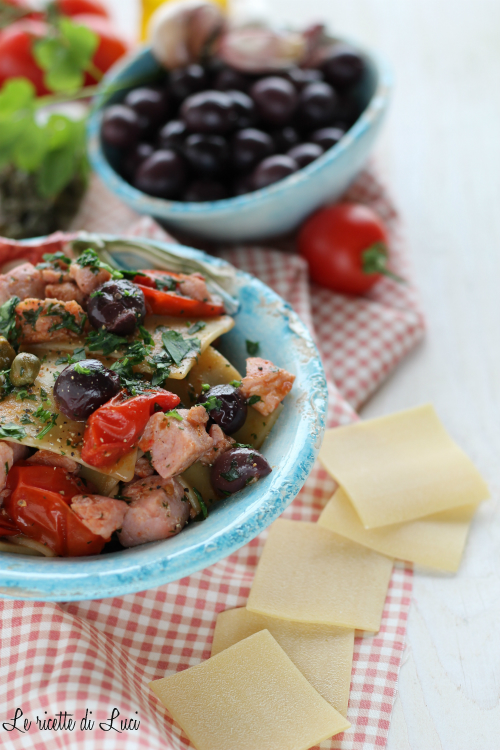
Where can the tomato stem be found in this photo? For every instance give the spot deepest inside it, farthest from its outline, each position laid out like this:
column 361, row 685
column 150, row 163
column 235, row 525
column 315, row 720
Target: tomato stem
column 375, row 259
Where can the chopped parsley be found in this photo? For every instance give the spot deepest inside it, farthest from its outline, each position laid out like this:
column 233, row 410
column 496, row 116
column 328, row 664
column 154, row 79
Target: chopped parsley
column 104, row 341
column 165, row 282
column 146, row 336
column 233, row 474
column 82, row 370
column 8, row 327
column 25, row 419
column 178, row 347
column 90, row 259
column 52, row 260
column 127, row 274
column 47, row 418
column 160, row 364
column 204, row 509
column 174, row 414
column 11, row 431
column 252, row 348
column 149, row 458
column 42, row 414
column 70, row 359
column 132, row 382
column 235, row 383
column 67, row 322
column 212, row 403
column 6, row 386
column 31, row 316
column 198, row 326
column 254, row 400
column 205, row 387
column 43, row 394
column 97, row 293
column 23, row 395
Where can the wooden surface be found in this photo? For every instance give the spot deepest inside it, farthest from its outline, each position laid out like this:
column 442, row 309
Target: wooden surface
column 441, row 155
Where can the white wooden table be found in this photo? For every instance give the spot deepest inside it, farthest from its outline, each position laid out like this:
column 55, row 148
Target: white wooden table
column 441, row 155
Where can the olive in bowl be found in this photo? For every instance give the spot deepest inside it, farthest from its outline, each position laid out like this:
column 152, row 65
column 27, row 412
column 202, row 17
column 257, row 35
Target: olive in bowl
column 226, row 407
column 117, row 306
column 237, row 468
column 83, row 387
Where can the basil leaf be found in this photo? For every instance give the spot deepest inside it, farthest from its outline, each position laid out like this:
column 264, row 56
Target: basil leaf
column 12, row 431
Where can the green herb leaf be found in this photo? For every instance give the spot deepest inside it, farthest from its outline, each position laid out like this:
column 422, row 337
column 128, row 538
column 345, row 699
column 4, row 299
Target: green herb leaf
column 252, row 348
column 178, row 347
column 104, row 341
column 67, row 322
column 198, row 326
column 8, row 327
column 11, row 431
column 235, row 383
column 254, row 400
column 205, row 387
column 81, row 370
column 146, row 336
column 26, row 420
column 23, row 395
column 54, row 259
column 47, row 418
column 174, row 414
column 204, row 509
column 70, row 359
column 66, row 55
column 212, row 403
column 233, row 474
column 160, row 364
column 90, row 259
column 165, row 283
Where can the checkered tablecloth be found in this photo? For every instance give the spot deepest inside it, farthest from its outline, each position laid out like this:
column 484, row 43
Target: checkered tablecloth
column 95, row 658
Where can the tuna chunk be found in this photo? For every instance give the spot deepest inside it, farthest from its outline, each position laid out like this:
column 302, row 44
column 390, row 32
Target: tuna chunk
column 267, row 381
column 194, row 286
column 23, row 282
column 176, row 443
column 222, row 443
column 54, row 276
column 66, row 292
column 9, row 454
column 86, row 279
column 159, row 509
column 47, row 458
column 143, row 467
column 49, row 320
column 101, row 515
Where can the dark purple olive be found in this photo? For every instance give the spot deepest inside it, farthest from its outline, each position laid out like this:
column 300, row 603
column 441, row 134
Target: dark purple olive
column 305, row 153
column 117, row 306
column 121, row 126
column 209, row 112
column 231, row 408
column 172, row 135
column 187, row 81
column 275, row 99
column 82, row 388
column 249, row 146
column 150, row 103
column 317, row 104
column 344, row 67
column 300, row 77
column 326, row 137
column 243, row 185
column 246, row 112
column 134, row 158
column 273, row 169
column 285, row 138
column 200, row 191
column 229, row 79
column 347, row 110
column 207, row 154
column 237, row 468
column 163, row 174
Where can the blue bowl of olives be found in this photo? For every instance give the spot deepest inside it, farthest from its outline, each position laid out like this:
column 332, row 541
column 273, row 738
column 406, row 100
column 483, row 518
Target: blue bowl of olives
column 213, row 153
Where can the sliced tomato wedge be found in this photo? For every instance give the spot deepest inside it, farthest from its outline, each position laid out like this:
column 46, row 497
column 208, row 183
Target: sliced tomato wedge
column 161, row 301
column 38, row 505
column 114, row 429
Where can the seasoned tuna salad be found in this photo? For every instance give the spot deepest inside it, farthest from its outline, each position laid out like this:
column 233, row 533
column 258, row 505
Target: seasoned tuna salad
column 121, row 422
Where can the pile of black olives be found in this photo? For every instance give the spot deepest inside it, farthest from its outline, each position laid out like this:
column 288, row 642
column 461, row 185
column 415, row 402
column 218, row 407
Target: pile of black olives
column 209, row 133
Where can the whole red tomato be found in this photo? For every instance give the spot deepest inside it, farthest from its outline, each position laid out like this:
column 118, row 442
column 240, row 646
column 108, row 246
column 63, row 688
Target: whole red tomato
column 16, row 57
column 77, row 7
column 345, row 246
column 111, row 45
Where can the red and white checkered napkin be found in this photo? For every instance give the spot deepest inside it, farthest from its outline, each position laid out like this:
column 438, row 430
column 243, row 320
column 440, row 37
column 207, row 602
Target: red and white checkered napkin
column 100, row 655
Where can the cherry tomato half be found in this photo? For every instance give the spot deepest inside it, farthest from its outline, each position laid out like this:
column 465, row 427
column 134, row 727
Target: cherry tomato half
column 345, row 246
column 76, row 7
column 16, row 57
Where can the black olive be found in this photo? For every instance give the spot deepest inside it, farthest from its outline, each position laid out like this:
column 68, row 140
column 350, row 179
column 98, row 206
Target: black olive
column 83, row 387
column 117, row 306
column 230, row 408
column 237, row 468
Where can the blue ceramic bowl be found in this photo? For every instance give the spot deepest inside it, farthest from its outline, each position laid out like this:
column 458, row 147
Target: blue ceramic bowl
column 272, row 211
column 291, row 449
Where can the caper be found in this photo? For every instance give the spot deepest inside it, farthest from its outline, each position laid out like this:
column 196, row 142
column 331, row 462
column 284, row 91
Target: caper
column 24, row 369
column 7, row 354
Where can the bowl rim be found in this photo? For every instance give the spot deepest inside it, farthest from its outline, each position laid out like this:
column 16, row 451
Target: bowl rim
column 163, row 207
column 70, row 579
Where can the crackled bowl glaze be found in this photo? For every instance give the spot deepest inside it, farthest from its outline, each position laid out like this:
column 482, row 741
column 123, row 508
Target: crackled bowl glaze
column 271, row 211
column 291, row 449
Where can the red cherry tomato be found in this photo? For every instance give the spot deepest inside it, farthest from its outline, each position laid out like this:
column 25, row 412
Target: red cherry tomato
column 161, row 302
column 114, row 429
column 76, row 7
column 38, row 504
column 22, row 9
column 111, row 45
column 16, row 58
column 345, row 246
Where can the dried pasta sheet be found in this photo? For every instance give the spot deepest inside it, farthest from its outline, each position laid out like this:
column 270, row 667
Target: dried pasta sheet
column 323, row 654
column 435, row 541
column 401, row 467
column 249, row 697
column 308, row 574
